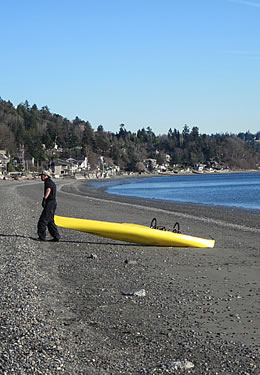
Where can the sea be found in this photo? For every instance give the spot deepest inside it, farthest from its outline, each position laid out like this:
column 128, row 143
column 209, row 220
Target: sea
column 240, row 190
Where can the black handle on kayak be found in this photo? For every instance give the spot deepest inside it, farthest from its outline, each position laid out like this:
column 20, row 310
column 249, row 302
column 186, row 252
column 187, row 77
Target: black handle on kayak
column 176, row 227
column 153, row 223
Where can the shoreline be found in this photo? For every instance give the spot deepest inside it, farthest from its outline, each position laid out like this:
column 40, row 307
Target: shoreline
column 103, row 184
column 137, row 175
column 226, row 215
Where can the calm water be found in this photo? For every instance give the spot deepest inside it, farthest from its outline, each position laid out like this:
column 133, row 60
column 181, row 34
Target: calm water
column 237, row 190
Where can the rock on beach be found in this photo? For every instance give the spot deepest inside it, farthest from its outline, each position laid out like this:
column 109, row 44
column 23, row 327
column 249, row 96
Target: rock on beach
column 78, row 307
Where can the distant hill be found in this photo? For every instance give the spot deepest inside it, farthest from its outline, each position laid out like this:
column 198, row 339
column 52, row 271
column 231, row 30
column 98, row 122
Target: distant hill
column 44, row 135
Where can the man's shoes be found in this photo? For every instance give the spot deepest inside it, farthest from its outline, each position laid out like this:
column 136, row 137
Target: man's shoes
column 40, row 239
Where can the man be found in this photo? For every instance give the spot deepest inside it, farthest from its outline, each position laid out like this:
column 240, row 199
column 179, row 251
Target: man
column 49, row 205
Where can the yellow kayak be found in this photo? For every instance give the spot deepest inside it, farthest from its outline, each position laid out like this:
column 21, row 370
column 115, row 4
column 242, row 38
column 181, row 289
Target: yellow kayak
column 132, row 233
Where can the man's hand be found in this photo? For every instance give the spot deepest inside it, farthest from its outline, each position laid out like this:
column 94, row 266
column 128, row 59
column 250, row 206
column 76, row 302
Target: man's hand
column 43, row 202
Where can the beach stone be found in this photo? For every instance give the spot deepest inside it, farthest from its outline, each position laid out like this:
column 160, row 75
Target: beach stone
column 130, row 262
column 137, row 292
column 93, row 256
column 179, row 365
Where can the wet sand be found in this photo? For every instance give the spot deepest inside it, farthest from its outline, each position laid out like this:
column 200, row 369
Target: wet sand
column 200, row 305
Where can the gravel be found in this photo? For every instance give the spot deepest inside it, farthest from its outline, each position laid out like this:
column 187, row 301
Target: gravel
column 88, row 305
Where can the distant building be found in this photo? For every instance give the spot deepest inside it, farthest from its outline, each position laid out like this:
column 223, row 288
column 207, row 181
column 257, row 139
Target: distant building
column 4, row 160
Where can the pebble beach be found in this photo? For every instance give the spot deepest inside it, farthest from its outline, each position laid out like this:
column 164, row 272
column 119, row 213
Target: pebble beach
column 91, row 305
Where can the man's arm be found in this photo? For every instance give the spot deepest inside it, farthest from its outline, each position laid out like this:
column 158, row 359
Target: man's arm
column 47, row 193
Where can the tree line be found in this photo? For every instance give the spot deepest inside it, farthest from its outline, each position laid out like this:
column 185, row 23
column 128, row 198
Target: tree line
column 39, row 130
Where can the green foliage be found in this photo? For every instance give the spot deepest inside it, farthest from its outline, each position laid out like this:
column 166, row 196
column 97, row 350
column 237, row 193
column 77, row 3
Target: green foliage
column 10, row 166
column 38, row 130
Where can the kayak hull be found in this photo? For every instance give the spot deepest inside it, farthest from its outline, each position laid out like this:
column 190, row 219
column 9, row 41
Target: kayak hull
column 133, row 233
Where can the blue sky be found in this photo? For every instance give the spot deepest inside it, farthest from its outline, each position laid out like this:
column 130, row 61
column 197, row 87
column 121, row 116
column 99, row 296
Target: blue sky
column 156, row 63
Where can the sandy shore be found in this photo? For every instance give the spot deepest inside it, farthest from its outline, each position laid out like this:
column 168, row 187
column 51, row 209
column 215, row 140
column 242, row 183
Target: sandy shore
column 65, row 309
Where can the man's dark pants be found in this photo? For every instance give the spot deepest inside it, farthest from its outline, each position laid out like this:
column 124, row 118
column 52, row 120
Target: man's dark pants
column 47, row 220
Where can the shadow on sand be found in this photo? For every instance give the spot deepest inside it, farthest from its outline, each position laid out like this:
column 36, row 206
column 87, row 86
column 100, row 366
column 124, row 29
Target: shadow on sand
column 70, row 241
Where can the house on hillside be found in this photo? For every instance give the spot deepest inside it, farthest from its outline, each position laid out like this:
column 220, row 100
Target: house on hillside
column 199, row 167
column 82, row 163
column 68, row 167
column 78, row 164
column 60, row 167
column 4, row 160
column 150, row 164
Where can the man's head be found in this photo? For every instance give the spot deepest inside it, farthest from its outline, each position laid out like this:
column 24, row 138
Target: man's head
column 44, row 175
